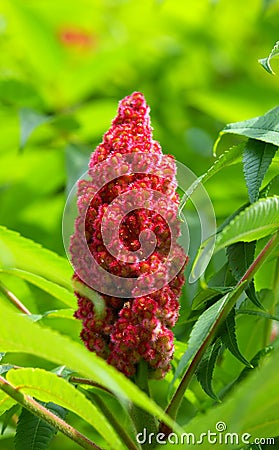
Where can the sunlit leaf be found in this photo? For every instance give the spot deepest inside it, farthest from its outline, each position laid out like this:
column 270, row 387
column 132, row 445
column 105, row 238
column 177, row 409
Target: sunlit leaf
column 255, row 222
column 54, row 289
column 48, row 387
column 30, row 257
column 6, row 402
column 18, row 334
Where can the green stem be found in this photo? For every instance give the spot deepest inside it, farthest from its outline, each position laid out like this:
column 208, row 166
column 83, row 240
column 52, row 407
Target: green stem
column 240, row 287
column 88, row 382
column 130, row 444
column 13, row 299
column 274, row 293
column 36, row 408
column 142, row 419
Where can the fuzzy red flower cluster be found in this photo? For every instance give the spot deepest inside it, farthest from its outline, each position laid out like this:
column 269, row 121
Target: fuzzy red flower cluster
column 138, row 327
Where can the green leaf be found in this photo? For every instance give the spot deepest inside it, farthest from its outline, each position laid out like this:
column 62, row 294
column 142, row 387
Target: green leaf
column 54, row 289
column 265, row 128
column 255, row 361
column 30, row 257
column 5, row 368
column 274, row 182
column 29, row 121
column 265, row 62
column 240, row 257
column 252, row 408
column 207, row 295
column 8, row 415
column 205, row 328
column 206, row 368
column 48, row 387
column 252, row 295
column 199, row 332
column 96, row 299
column 20, row 335
column 255, row 222
column 228, row 337
column 253, row 312
column 257, row 158
column 60, row 313
column 263, row 194
column 6, row 402
column 33, row 433
column 227, row 158
column 222, row 278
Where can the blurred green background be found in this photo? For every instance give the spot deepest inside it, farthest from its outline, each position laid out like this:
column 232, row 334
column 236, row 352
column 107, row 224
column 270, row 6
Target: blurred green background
column 68, row 63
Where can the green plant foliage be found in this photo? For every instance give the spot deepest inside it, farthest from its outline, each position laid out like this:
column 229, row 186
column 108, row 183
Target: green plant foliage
column 64, row 67
column 265, row 62
column 207, row 295
column 253, row 408
column 253, row 312
column 206, row 368
column 255, row 222
column 205, row 328
column 6, row 402
column 32, row 433
column 47, row 386
column 28, row 256
column 7, row 417
column 257, row 158
column 18, row 334
column 54, row 289
column 264, row 128
column 240, row 257
column 227, row 158
column 228, row 337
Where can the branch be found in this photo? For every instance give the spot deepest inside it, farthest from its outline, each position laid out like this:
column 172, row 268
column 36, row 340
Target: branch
column 88, row 382
column 36, row 408
column 14, row 299
column 130, row 444
column 239, row 288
